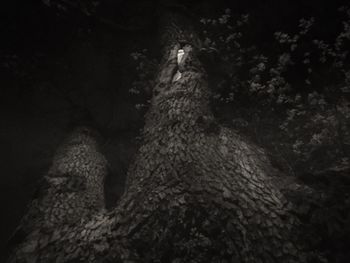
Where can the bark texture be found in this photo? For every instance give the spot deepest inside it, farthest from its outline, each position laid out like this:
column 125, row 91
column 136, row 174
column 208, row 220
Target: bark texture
column 197, row 192
column 71, row 192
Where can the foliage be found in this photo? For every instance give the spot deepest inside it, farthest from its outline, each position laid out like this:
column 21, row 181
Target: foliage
column 61, row 7
column 145, row 69
column 290, row 94
column 303, row 81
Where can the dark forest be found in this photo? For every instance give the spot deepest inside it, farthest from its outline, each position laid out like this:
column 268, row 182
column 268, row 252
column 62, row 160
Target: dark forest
column 175, row 131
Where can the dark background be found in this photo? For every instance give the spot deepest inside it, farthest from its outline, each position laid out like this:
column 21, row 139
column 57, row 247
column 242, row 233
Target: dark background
column 58, row 69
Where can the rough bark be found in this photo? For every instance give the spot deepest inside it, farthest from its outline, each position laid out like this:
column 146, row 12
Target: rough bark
column 196, row 192
column 71, row 192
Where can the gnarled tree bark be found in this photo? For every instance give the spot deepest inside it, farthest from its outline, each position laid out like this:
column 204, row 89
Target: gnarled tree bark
column 71, row 192
column 197, row 192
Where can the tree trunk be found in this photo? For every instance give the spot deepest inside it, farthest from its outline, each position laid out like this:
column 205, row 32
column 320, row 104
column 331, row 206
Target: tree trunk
column 197, row 192
column 71, row 192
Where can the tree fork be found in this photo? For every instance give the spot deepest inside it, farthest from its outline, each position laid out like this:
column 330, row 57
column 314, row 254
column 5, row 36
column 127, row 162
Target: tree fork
column 196, row 192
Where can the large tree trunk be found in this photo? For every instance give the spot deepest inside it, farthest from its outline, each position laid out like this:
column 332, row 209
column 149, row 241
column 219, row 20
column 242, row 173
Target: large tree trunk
column 197, row 192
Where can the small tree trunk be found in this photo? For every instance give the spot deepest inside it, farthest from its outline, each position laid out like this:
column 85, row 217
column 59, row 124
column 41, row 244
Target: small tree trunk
column 71, row 192
column 197, row 192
